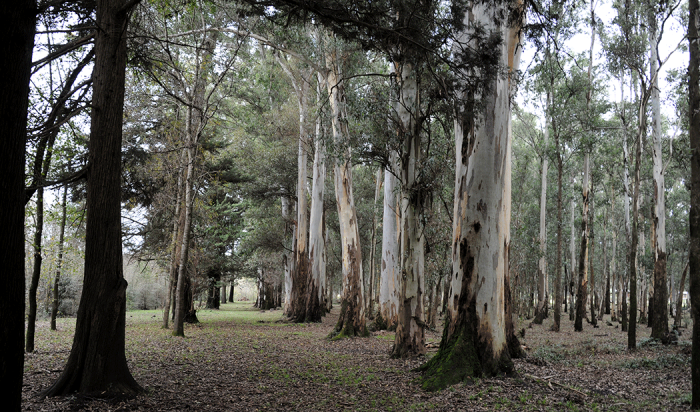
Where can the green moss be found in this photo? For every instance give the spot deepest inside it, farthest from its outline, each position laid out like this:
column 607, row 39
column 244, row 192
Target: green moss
column 453, row 363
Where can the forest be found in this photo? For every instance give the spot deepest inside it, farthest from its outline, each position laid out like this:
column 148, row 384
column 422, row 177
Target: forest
column 363, row 205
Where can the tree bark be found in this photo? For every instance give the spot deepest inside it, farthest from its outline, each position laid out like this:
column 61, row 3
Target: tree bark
column 582, row 285
column 542, row 293
column 560, row 238
column 195, row 123
column 97, row 362
column 478, row 337
column 19, row 19
column 410, row 335
column 57, row 279
column 679, row 301
column 373, row 246
column 390, row 280
column 316, row 289
column 352, row 314
column 659, row 324
column 694, row 219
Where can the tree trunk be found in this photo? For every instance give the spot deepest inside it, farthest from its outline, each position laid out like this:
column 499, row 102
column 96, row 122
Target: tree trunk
column 352, row 314
column 36, row 270
column 176, row 241
column 19, row 19
column 230, row 292
column 542, row 293
column 594, row 294
column 585, row 230
column 410, row 334
column 632, row 330
column 97, row 362
column 373, row 246
column 694, row 218
column 195, row 122
column 390, row 280
column 57, row 280
column 560, row 237
column 679, row 300
column 572, row 250
column 316, row 296
column 582, row 285
column 659, row 324
column 300, row 270
column 478, row 337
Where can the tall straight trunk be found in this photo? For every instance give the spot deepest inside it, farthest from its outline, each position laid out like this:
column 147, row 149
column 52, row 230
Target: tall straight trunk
column 582, row 284
column 478, row 337
column 316, row 288
column 632, row 330
column 572, row 250
column 19, row 19
column 542, row 293
column 300, row 268
column 230, row 292
column 659, row 325
column 36, row 269
column 352, row 314
column 593, row 293
column 194, row 125
column 286, row 261
column 59, row 264
column 390, row 272
column 175, row 241
column 560, row 236
column 694, row 218
column 410, row 334
column 180, row 301
column 679, row 301
column 373, row 246
column 581, row 294
column 97, row 361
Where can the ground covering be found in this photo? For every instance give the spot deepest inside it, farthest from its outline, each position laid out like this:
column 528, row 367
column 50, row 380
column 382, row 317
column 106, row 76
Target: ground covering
column 242, row 359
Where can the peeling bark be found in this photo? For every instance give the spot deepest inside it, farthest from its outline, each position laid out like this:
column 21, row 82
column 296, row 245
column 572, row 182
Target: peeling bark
column 478, row 337
column 390, row 281
column 352, row 314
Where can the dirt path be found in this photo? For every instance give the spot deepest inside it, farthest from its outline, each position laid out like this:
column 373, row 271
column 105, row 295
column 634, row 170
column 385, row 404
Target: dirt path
column 239, row 359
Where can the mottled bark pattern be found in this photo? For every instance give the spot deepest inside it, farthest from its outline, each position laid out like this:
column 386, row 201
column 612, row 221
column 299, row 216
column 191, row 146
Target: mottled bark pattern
column 478, row 337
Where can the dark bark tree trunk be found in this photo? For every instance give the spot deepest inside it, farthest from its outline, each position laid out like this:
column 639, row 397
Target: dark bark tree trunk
column 18, row 25
column 230, row 292
column 560, row 236
column 57, row 280
column 582, row 286
column 694, row 131
column 97, row 362
column 36, row 270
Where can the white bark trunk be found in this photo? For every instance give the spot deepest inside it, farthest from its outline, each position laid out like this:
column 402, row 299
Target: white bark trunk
column 542, row 291
column 410, row 337
column 352, row 317
column 390, row 272
column 317, row 250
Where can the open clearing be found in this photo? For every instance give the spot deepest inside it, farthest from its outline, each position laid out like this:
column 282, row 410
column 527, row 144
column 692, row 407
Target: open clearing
column 239, row 358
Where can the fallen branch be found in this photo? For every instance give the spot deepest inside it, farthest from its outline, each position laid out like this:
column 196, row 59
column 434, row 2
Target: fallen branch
column 550, row 382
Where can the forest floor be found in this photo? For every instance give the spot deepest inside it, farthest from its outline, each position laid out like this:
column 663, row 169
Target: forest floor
column 241, row 359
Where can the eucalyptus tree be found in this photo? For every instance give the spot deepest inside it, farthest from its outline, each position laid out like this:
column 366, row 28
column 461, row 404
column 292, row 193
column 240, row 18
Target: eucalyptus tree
column 478, row 337
column 18, row 27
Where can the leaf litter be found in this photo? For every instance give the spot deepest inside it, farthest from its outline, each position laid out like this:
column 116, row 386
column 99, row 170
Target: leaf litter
column 243, row 359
